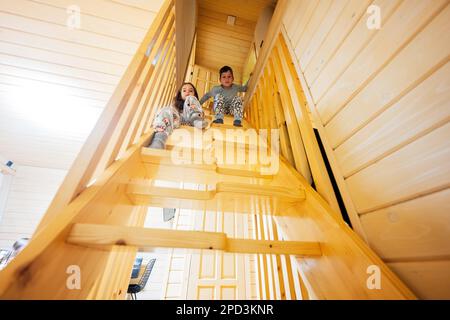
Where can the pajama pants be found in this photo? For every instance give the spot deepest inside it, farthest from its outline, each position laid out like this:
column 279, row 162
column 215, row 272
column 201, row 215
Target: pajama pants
column 235, row 107
column 169, row 118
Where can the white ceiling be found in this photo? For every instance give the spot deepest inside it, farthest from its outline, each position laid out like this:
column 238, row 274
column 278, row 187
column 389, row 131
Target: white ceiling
column 56, row 79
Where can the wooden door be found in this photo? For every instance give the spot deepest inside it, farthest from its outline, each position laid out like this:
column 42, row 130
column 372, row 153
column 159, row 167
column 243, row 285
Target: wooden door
column 217, row 274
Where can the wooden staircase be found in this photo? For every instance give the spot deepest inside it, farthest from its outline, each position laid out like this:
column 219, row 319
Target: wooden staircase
column 96, row 220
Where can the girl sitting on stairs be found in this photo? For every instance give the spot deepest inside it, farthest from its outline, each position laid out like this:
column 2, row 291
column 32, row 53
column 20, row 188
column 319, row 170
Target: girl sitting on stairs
column 186, row 110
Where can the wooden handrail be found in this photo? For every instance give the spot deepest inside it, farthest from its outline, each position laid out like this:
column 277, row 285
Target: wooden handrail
column 285, row 109
column 149, row 103
column 143, row 83
column 269, row 41
column 86, row 163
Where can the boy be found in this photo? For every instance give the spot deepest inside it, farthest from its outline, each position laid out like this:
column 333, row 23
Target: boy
column 226, row 100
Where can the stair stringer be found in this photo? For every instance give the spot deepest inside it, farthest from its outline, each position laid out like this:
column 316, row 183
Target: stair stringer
column 345, row 268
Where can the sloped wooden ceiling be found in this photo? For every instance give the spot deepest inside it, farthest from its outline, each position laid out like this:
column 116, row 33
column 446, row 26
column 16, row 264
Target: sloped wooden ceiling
column 56, row 79
column 220, row 44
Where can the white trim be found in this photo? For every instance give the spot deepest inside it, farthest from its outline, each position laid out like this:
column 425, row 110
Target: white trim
column 5, row 185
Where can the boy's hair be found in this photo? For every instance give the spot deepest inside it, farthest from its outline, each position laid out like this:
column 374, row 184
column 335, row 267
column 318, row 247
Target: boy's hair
column 178, row 101
column 225, row 69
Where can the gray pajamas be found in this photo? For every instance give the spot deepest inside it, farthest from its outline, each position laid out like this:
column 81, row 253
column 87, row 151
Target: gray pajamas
column 168, row 119
column 234, row 107
column 226, row 100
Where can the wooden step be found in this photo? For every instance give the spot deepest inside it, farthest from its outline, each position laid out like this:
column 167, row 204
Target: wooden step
column 175, row 139
column 222, row 188
column 171, row 158
column 181, row 160
column 226, row 196
column 212, row 135
column 200, row 176
column 146, row 239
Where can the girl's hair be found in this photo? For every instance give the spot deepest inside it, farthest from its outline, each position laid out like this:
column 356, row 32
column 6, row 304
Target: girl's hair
column 225, row 69
column 178, row 101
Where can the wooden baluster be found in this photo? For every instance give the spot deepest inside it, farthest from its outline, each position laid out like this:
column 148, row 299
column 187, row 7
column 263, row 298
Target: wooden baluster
column 80, row 174
column 148, row 103
column 133, row 103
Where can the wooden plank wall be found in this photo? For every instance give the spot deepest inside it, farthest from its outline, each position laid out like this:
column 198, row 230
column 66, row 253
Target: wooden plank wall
column 186, row 21
column 380, row 98
column 220, row 44
column 43, row 61
column 204, row 79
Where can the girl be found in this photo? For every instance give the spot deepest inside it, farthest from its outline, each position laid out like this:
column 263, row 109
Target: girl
column 186, row 109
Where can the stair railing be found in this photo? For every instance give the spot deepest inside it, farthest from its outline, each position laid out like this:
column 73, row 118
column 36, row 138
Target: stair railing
column 93, row 189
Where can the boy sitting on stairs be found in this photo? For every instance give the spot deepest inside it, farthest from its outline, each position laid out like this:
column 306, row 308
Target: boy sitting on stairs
column 226, row 100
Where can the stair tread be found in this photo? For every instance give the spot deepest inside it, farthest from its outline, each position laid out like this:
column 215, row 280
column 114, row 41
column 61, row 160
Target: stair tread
column 174, row 158
column 221, row 188
column 148, row 238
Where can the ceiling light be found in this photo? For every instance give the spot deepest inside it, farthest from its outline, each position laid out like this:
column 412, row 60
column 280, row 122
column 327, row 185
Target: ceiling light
column 231, row 20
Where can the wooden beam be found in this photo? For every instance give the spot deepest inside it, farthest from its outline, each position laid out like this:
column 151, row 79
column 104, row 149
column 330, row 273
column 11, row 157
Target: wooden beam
column 299, row 104
column 146, row 238
column 342, row 184
column 255, row 189
column 186, row 21
column 170, row 158
column 222, row 188
column 158, row 100
column 148, row 104
column 155, row 56
column 277, row 260
column 295, row 136
column 269, row 41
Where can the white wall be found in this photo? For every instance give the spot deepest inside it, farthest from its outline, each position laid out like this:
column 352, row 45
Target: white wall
column 154, row 290
column 4, row 188
column 381, row 102
column 55, row 80
column 29, row 195
column 54, row 83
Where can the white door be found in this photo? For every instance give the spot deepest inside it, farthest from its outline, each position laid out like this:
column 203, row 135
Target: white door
column 217, row 274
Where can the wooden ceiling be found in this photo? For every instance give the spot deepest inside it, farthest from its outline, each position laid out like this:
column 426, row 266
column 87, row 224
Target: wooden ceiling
column 220, row 44
column 49, row 72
